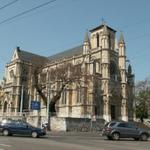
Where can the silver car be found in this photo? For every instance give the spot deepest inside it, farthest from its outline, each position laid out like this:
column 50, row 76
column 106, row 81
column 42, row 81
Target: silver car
column 120, row 129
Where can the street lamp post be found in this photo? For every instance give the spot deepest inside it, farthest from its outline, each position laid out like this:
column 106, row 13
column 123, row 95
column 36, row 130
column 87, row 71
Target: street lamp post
column 48, row 113
column 21, row 102
column 48, row 102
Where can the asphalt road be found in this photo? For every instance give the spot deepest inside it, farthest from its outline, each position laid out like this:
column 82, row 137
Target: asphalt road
column 70, row 141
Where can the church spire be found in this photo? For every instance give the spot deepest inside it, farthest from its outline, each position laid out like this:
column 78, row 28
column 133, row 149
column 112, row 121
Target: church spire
column 121, row 39
column 116, row 44
column 129, row 69
column 86, row 44
column 86, row 39
column 105, row 38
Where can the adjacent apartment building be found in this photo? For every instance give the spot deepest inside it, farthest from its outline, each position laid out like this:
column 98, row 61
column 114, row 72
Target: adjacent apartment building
column 102, row 82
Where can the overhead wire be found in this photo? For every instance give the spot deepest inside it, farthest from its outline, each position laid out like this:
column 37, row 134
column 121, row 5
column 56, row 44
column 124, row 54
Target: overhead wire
column 8, row 4
column 44, row 4
column 27, row 11
column 135, row 23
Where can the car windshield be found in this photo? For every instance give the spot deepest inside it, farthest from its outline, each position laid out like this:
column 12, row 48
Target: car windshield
column 110, row 124
column 25, row 123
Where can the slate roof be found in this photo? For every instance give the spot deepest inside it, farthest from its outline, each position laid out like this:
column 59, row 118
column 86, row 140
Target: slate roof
column 30, row 57
column 101, row 26
column 37, row 59
column 67, row 53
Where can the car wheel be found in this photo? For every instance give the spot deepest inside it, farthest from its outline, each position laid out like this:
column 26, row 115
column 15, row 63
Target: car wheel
column 5, row 132
column 144, row 137
column 115, row 136
column 34, row 134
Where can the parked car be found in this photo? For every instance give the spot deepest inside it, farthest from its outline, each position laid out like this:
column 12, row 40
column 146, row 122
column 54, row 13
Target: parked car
column 120, row 129
column 10, row 127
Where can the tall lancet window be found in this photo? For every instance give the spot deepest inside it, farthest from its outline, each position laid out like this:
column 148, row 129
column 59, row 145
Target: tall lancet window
column 110, row 44
column 97, row 38
column 80, row 94
column 64, row 96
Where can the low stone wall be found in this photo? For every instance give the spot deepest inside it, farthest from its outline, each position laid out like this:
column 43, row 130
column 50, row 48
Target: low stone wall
column 64, row 124
column 76, row 124
column 84, row 124
column 58, row 124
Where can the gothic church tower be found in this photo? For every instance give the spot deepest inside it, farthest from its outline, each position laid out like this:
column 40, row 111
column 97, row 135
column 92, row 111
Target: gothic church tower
column 122, row 67
column 105, row 62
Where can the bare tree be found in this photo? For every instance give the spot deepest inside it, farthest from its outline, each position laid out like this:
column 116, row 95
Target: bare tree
column 1, row 96
column 65, row 74
column 38, row 85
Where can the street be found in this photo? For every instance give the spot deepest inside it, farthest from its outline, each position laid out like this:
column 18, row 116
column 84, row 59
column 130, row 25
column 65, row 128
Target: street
column 67, row 141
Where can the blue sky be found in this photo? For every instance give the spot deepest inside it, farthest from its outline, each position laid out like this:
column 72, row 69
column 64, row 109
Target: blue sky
column 62, row 24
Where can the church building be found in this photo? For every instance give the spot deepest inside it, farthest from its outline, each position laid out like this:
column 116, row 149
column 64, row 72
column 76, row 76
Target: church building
column 92, row 79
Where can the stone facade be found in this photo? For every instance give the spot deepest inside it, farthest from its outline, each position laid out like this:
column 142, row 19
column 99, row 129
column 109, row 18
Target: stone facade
column 105, row 89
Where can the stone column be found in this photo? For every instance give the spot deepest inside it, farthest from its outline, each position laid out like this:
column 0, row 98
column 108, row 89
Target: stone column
column 106, row 112
column 124, row 110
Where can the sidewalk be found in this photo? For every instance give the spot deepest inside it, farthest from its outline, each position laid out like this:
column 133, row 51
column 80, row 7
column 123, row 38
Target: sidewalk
column 76, row 134
column 61, row 133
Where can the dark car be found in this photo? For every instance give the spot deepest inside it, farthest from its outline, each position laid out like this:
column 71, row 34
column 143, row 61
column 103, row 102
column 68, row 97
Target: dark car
column 10, row 127
column 119, row 129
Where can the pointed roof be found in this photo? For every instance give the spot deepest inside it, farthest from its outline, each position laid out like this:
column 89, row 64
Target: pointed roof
column 100, row 27
column 38, row 60
column 78, row 50
column 30, row 57
column 121, row 39
column 129, row 69
column 86, row 39
column 15, row 55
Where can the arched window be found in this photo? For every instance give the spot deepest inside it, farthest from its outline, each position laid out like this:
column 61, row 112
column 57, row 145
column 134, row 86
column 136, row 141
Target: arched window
column 64, row 96
column 113, row 71
column 109, row 38
column 80, row 94
column 5, row 106
column 97, row 38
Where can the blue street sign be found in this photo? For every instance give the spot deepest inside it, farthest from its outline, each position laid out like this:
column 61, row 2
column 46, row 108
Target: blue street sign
column 35, row 105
